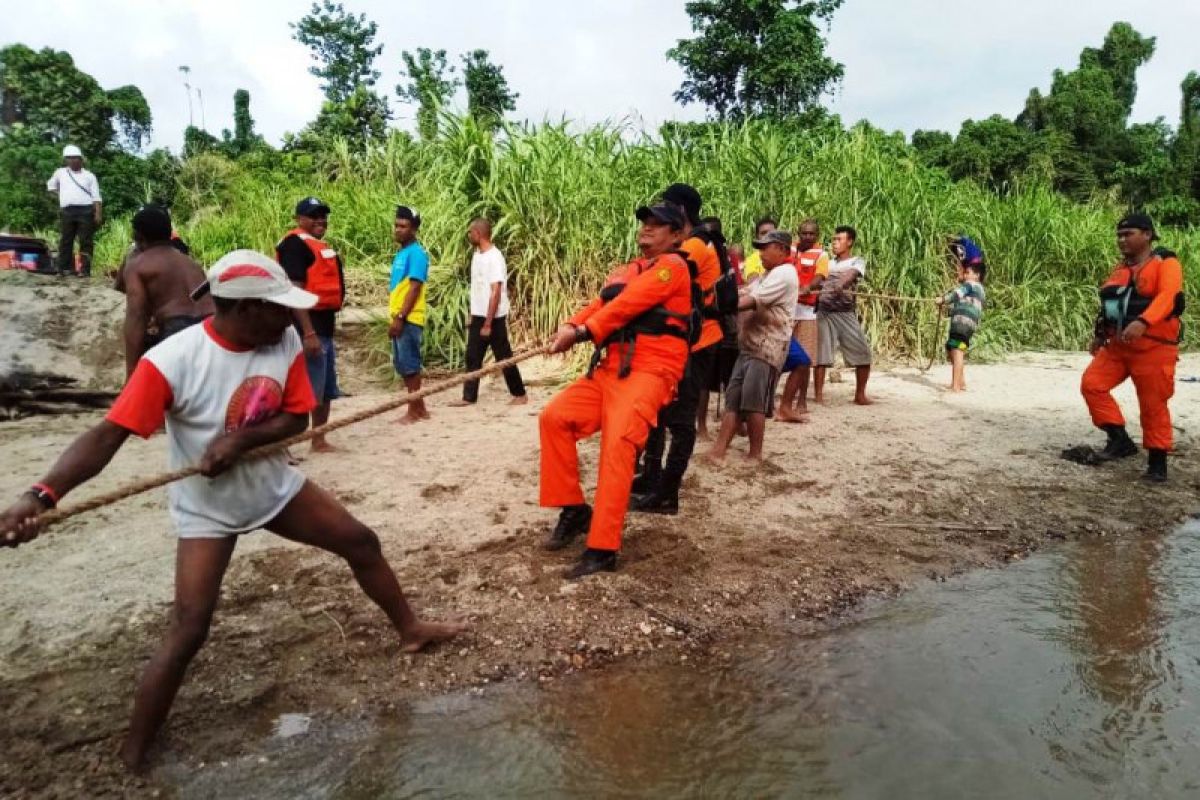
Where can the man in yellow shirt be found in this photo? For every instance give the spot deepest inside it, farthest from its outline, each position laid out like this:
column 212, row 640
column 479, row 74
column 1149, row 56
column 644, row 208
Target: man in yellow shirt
column 406, row 307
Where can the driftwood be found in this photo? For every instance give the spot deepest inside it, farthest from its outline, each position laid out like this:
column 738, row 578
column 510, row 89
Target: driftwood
column 28, row 393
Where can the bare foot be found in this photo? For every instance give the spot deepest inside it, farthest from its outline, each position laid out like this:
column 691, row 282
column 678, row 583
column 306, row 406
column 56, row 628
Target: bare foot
column 460, row 403
column 519, row 401
column 425, row 414
column 714, row 458
column 426, row 633
column 790, row 416
column 322, row 446
column 749, row 459
column 133, row 756
column 863, row 401
column 410, row 419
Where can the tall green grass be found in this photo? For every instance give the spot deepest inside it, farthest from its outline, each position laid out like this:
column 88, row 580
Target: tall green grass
column 562, row 201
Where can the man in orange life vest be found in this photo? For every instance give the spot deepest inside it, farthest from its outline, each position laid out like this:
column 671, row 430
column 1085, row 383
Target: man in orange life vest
column 812, row 267
column 314, row 266
column 1137, row 336
column 640, row 324
column 658, row 485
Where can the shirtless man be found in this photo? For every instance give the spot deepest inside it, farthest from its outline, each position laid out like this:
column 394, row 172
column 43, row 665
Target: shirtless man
column 157, row 280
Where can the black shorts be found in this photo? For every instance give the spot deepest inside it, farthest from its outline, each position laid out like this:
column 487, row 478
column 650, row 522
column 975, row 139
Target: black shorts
column 722, row 369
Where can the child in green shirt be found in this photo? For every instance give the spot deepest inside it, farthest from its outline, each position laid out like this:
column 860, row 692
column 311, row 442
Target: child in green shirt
column 965, row 304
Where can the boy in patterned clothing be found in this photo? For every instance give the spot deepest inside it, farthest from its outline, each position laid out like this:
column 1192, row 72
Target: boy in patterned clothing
column 966, row 306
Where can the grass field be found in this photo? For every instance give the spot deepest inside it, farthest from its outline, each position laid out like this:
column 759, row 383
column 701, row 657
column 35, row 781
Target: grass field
column 562, row 201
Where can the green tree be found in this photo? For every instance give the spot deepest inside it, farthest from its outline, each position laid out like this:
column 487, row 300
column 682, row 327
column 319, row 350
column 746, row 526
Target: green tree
column 488, row 95
column 430, row 84
column 342, row 44
column 47, row 102
column 756, row 57
column 243, row 139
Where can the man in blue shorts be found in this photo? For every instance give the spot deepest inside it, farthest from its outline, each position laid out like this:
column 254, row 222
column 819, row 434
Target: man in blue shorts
column 406, row 306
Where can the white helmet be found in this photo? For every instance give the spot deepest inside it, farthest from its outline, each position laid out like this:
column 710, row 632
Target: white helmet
column 71, row 151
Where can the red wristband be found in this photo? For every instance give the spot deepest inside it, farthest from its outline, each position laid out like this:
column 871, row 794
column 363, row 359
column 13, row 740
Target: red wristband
column 46, row 490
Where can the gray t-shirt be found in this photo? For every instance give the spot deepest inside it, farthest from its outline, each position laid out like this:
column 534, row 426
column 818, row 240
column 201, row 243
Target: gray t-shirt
column 766, row 329
column 833, row 298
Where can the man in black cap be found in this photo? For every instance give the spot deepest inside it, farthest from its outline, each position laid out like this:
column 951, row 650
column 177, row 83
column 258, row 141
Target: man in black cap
column 316, row 267
column 658, row 485
column 1137, row 336
column 640, row 324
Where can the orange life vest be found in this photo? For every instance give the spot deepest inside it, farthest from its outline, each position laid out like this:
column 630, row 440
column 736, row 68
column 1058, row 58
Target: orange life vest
column 323, row 278
column 1152, row 292
column 806, row 270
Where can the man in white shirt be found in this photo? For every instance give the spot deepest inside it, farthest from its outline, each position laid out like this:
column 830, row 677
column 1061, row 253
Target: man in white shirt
column 489, row 314
column 79, row 206
column 223, row 387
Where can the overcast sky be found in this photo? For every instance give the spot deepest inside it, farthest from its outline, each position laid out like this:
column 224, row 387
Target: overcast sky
column 909, row 63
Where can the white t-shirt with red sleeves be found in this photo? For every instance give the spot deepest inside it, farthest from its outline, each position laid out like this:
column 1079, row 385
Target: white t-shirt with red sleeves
column 203, row 386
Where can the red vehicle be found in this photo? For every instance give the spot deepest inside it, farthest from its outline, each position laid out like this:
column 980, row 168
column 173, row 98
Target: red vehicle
column 25, row 252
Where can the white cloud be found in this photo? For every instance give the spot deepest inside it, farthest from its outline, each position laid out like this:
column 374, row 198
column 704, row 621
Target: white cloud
column 913, row 64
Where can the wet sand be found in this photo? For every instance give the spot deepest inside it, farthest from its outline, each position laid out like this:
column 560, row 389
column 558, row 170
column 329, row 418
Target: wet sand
column 859, row 502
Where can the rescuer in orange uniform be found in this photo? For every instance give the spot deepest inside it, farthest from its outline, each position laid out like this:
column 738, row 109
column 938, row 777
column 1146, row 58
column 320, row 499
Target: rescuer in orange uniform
column 1137, row 336
column 642, row 325
column 657, row 488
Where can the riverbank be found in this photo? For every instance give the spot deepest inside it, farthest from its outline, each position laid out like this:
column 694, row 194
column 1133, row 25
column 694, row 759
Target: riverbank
column 861, row 501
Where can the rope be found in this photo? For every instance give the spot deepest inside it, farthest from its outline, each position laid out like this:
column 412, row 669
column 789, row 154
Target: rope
column 138, row 487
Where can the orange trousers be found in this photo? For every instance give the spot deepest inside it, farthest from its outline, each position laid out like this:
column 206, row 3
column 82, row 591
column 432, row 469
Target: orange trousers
column 623, row 410
column 1153, row 373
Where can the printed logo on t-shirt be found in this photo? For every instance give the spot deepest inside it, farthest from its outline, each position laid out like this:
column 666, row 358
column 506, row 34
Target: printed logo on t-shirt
column 257, row 399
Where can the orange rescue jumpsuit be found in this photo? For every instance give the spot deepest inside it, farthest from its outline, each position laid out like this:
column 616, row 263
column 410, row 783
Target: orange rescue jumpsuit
column 1150, row 360
column 622, row 409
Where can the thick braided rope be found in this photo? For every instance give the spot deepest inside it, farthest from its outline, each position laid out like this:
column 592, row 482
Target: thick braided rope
column 138, row 487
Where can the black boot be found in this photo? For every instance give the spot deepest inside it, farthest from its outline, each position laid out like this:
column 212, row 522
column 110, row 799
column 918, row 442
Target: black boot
column 1156, row 467
column 572, row 521
column 647, row 482
column 592, row 561
column 1119, row 444
column 663, row 500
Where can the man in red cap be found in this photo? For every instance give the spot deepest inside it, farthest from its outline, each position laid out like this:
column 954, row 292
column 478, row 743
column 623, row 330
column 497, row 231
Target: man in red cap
column 642, row 326
column 1137, row 336
column 223, row 387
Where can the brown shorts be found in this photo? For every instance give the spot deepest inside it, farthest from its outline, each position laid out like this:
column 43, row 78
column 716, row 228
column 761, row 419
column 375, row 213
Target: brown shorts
column 751, row 388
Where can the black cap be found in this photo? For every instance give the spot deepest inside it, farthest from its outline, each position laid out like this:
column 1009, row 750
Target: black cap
column 1141, row 222
column 681, row 194
column 410, row 214
column 774, row 237
column 311, row 207
column 667, row 214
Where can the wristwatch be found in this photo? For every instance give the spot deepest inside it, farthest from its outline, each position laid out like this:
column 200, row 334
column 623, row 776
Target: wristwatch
column 582, row 334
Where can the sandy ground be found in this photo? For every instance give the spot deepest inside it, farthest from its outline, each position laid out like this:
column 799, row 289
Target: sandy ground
column 860, row 501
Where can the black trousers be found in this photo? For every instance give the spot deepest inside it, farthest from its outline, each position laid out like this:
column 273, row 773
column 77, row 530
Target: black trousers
column 477, row 348
column 680, row 419
column 76, row 221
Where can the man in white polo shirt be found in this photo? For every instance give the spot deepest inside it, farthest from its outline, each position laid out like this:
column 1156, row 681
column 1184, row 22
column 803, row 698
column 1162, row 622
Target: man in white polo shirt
column 80, row 213
column 230, row 384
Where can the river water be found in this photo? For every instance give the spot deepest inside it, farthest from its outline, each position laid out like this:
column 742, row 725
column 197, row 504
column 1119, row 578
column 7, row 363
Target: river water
column 1074, row 674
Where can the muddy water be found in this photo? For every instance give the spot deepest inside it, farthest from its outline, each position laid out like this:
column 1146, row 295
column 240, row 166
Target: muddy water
column 1074, row 674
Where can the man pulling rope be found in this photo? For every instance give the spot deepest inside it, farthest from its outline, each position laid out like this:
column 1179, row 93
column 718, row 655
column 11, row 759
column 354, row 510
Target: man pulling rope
column 233, row 384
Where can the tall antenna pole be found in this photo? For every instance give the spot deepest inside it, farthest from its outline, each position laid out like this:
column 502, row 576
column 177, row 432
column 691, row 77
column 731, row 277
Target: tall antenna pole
column 186, row 70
